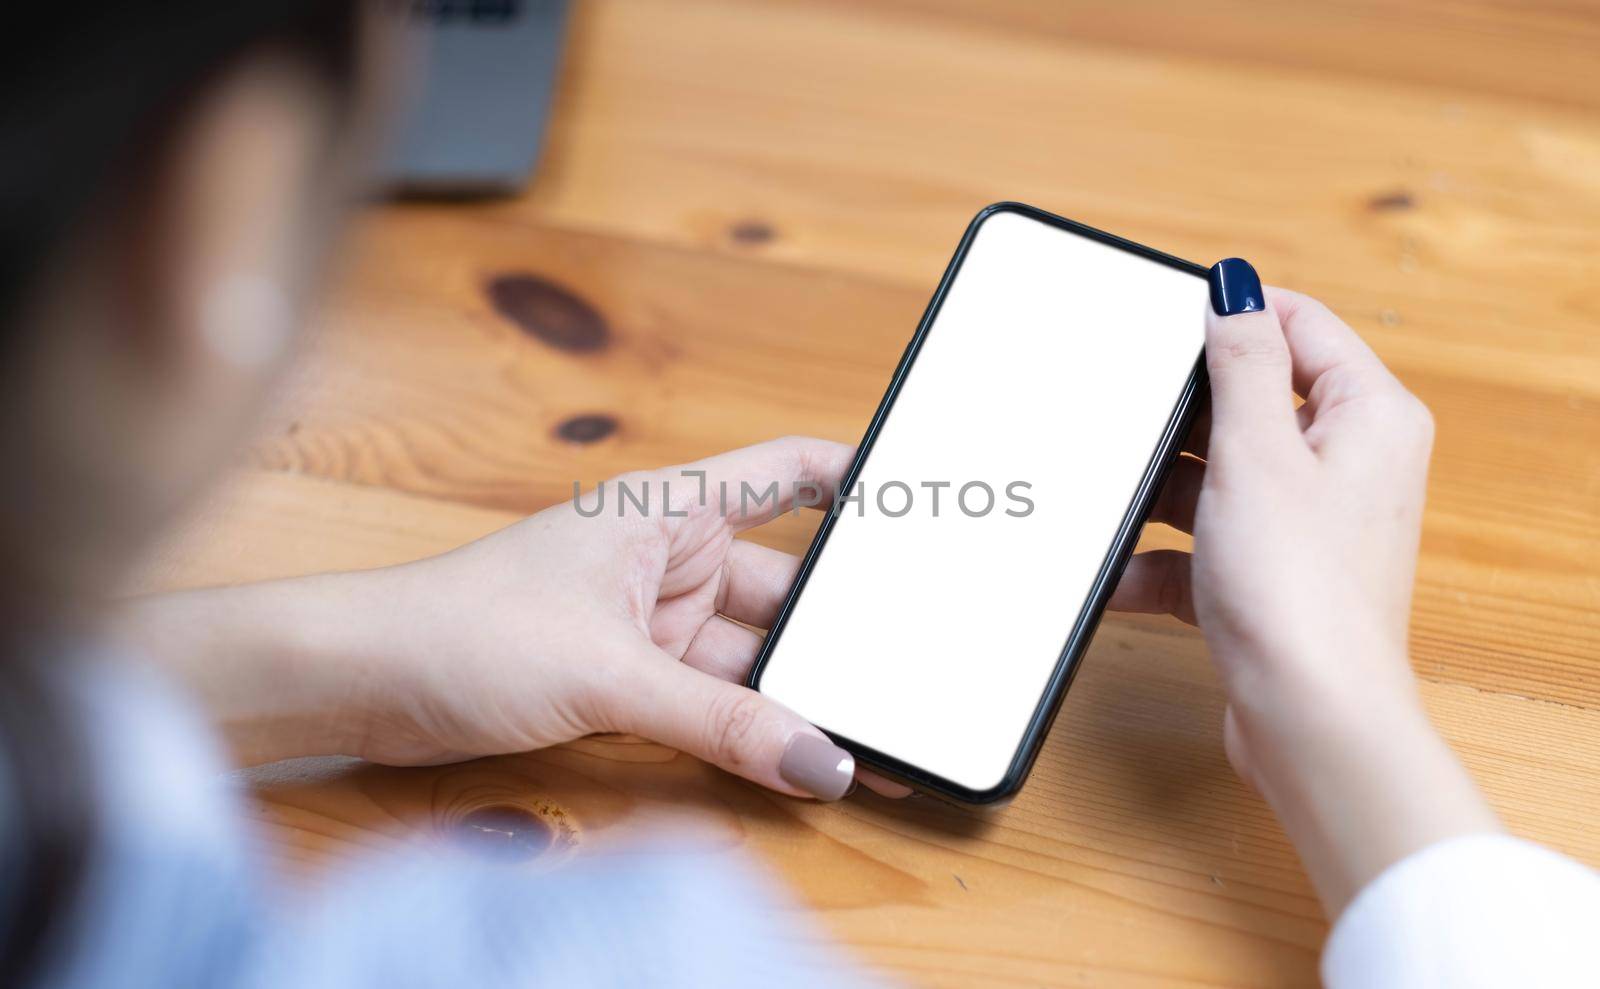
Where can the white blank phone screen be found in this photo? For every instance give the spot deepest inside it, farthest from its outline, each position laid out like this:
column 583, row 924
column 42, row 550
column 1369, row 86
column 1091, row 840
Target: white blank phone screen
column 929, row 628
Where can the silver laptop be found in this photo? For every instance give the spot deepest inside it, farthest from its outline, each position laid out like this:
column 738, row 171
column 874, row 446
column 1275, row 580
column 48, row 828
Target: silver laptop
column 476, row 119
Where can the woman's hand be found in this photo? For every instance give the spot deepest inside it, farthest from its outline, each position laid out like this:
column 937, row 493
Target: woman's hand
column 553, row 628
column 1306, row 523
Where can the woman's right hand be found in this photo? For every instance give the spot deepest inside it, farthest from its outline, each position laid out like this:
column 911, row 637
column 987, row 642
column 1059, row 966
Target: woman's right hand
column 1306, row 524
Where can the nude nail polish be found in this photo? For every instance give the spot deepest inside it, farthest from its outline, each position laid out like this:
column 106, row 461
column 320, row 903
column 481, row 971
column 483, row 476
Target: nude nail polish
column 817, row 766
column 1236, row 288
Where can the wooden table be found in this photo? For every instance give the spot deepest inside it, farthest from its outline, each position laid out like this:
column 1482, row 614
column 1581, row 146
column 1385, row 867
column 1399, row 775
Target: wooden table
column 749, row 203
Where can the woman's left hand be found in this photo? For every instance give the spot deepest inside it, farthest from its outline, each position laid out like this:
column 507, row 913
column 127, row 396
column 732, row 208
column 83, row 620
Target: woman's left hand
column 561, row 625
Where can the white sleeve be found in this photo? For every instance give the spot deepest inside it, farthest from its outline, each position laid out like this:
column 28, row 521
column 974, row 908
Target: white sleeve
column 1480, row 910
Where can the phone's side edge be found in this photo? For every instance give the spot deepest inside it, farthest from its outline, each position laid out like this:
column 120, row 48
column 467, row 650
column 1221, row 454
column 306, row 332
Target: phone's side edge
column 1122, row 546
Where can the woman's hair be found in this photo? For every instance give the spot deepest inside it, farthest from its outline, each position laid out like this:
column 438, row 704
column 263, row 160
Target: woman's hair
column 94, row 93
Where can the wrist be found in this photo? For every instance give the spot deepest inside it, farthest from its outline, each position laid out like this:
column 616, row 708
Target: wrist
column 279, row 666
column 1359, row 779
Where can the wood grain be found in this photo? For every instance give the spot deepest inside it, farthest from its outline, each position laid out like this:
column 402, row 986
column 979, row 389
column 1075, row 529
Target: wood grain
column 1481, row 47
column 740, row 214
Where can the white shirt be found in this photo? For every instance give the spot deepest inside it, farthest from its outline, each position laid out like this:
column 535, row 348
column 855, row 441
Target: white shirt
column 1479, row 910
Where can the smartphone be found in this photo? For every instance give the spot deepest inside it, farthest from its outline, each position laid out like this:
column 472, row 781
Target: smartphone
column 960, row 571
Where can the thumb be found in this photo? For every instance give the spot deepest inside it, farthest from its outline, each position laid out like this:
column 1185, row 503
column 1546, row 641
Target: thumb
column 1247, row 357
column 733, row 727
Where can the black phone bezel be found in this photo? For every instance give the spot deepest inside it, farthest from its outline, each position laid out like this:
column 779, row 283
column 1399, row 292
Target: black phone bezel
column 1116, row 559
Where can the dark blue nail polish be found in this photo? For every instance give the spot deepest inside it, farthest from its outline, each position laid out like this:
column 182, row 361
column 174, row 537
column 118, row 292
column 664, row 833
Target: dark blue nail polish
column 1236, row 288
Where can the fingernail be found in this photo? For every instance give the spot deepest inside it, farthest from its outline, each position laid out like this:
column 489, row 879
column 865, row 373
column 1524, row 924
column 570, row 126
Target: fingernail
column 1236, row 288
column 817, row 766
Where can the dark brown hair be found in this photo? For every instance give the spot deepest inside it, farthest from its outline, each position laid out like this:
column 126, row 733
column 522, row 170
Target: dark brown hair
column 92, row 93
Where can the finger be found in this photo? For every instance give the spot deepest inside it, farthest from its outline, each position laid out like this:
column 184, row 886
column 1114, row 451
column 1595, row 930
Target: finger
column 723, row 649
column 1349, row 391
column 729, row 726
column 757, row 483
column 883, row 786
column 1199, row 435
column 1180, row 493
column 755, row 581
column 1156, row 583
column 1319, row 341
column 1252, row 400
